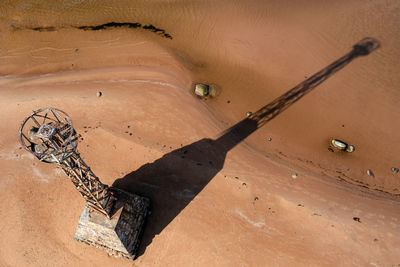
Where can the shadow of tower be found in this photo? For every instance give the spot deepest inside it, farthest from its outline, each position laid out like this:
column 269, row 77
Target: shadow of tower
column 174, row 180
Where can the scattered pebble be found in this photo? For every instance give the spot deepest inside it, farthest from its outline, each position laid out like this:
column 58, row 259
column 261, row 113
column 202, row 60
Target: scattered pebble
column 248, row 114
column 269, row 139
column 370, row 173
column 99, row 94
column 395, row 170
column 256, row 198
column 228, row 101
column 357, row 219
column 295, row 175
column 272, row 211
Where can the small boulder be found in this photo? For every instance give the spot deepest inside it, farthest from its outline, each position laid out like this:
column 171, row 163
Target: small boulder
column 342, row 146
column 201, row 90
column 205, row 90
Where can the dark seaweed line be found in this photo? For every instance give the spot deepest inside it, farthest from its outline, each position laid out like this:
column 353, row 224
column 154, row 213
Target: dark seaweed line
column 110, row 25
column 131, row 25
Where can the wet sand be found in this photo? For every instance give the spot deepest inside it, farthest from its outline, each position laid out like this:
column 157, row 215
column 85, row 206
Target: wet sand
column 213, row 204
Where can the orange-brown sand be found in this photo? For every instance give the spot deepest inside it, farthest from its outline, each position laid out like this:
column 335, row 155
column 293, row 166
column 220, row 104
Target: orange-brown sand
column 149, row 134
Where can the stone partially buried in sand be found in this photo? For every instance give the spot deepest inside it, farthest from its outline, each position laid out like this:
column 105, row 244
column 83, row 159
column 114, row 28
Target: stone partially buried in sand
column 201, row 89
column 370, row 173
column 342, row 146
column 204, row 90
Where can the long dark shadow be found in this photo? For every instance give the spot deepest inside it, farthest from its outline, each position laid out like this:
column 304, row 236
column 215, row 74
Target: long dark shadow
column 174, row 180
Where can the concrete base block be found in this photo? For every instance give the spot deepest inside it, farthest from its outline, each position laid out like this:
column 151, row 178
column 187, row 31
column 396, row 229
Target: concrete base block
column 120, row 235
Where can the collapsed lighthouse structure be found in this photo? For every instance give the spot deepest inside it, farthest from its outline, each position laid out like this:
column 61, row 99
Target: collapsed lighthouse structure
column 112, row 219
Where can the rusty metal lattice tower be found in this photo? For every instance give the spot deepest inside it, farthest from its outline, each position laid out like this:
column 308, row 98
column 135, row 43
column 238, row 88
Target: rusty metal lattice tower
column 49, row 135
column 113, row 219
column 88, row 184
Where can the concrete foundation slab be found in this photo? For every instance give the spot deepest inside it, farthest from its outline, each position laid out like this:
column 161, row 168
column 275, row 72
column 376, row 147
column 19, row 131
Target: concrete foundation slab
column 120, row 235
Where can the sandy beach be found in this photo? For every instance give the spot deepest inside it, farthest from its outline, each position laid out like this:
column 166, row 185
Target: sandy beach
column 304, row 64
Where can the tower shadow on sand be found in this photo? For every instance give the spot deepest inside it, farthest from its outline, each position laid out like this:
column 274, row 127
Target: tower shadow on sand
column 174, row 180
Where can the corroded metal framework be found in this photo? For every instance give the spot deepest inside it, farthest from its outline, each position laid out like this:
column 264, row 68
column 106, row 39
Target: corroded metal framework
column 97, row 195
column 112, row 219
column 49, row 135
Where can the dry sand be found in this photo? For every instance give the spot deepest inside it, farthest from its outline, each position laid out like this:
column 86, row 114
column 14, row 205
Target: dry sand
column 149, row 134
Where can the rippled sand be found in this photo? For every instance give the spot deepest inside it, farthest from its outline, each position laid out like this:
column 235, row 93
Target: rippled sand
column 236, row 207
